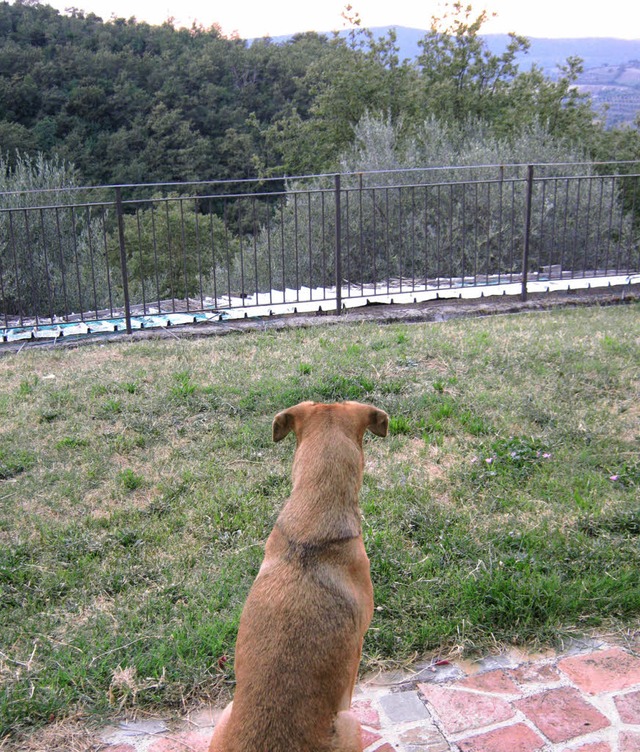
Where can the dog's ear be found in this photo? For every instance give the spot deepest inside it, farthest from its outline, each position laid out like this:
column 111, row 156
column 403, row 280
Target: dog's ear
column 378, row 422
column 285, row 421
column 282, row 425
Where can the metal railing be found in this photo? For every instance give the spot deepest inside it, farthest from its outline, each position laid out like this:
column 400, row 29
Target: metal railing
column 320, row 242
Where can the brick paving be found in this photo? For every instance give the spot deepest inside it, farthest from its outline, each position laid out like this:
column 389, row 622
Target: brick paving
column 588, row 701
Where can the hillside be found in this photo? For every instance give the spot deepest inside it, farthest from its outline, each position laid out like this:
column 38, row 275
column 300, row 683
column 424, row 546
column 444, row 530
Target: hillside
column 611, row 71
column 615, row 90
column 127, row 102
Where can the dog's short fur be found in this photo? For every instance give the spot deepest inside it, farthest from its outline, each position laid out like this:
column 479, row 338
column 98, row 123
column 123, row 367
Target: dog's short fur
column 301, row 630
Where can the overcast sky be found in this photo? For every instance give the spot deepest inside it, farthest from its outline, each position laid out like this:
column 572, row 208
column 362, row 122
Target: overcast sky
column 256, row 18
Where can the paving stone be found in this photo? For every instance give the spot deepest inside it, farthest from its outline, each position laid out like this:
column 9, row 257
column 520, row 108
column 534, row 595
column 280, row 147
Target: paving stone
column 369, row 737
column 402, row 707
column 604, row 671
column 629, row 742
column 441, row 746
column 424, row 738
column 533, row 673
column 516, row 738
column 492, row 662
column 109, row 735
column 496, row 682
column 466, row 705
column 366, row 713
column 131, row 731
column 439, row 674
column 142, row 728
column 595, row 747
column 387, row 678
column 460, row 710
column 629, row 707
column 581, row 645
column 562, row 714
column 203, row 718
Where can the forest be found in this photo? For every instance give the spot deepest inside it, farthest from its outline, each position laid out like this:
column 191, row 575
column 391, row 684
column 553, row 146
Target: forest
column 126, row 102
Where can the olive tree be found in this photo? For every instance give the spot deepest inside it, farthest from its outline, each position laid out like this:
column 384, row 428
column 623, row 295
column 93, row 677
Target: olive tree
column 52, row 250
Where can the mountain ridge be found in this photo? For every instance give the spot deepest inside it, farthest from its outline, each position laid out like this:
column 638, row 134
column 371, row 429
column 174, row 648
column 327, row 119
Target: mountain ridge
column 546, row 52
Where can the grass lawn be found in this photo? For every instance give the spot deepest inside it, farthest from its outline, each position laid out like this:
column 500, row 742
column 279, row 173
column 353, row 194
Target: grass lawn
column 138, row 483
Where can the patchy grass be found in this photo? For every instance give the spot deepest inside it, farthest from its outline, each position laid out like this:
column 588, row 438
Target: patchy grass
column 138, row 482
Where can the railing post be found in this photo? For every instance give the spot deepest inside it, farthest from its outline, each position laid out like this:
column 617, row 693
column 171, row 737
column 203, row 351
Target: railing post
column 123, row 260
column 527, row 232
column 338, row 246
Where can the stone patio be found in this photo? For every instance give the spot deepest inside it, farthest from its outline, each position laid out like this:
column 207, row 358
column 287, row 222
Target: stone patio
column 584, row 701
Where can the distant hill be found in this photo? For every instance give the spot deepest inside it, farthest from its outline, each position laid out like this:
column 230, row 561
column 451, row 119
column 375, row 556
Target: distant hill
column 548, row 54
column 611, row 66
column 611, row 71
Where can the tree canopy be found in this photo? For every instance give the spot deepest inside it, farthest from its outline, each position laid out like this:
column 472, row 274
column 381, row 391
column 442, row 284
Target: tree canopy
column 125, row 101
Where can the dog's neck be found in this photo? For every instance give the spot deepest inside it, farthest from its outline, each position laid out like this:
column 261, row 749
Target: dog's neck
column 327, row 476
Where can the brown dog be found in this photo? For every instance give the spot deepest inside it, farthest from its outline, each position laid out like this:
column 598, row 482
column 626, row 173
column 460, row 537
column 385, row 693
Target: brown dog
column 302, row 626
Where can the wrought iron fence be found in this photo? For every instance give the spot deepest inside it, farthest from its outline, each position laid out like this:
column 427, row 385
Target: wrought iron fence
column 321, row 242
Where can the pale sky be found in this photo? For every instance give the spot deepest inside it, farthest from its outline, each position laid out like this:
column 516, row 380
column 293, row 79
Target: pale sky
column 256, row 18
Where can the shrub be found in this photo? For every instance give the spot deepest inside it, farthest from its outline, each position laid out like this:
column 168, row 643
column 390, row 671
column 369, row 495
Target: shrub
column 51, row 254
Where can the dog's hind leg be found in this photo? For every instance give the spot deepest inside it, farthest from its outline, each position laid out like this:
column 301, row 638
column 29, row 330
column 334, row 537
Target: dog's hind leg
column 217, row 740
column 347, row 733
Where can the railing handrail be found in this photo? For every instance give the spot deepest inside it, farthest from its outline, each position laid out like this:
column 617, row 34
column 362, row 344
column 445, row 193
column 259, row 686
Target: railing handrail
column 328, row 175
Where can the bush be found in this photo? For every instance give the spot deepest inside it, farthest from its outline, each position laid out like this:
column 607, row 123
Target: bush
column 52, row 257
column 403, row 215
column 173, row 249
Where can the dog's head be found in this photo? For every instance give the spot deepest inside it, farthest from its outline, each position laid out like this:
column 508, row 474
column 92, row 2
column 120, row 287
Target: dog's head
column 352, row 417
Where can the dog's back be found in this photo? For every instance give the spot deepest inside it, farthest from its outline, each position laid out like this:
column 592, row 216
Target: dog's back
column 300, row 607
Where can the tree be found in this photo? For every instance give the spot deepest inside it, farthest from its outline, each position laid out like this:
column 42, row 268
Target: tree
column 51, row 257
column 457, row 214
column 565, row 112
column 126, row 101
column 173, row 150
column 358, row 75
column 174, row 250
column 460, row 77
